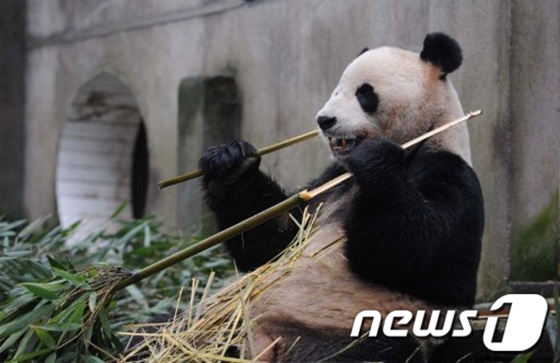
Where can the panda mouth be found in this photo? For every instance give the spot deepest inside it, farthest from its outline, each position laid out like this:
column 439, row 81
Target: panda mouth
column 340, row 145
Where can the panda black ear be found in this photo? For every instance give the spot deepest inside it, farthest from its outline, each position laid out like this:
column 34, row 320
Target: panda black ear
column 442, row 51
column 363, row 51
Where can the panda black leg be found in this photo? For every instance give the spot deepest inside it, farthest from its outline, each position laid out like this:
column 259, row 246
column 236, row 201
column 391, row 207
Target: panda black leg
column 311, row 347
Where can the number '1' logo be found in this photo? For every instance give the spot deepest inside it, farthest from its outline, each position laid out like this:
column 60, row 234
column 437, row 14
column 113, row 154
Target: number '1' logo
column 525, row 322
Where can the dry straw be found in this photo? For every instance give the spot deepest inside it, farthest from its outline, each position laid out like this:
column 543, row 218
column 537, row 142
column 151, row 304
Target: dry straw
column 213, row 325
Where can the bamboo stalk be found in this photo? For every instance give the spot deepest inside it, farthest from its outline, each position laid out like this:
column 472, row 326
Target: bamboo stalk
column 263, row 216
column 442, row 128
column 211, row 241
column 265, row 150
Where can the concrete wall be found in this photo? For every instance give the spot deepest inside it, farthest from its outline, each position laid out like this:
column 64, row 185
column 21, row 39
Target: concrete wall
column 535, row 142
column 286, row 56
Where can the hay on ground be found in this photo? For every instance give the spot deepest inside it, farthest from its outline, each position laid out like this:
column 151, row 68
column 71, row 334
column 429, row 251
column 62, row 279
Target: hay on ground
column 216, row 327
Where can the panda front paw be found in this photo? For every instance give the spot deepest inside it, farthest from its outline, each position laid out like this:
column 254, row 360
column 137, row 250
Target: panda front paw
column 224, row 164
column 377, row 164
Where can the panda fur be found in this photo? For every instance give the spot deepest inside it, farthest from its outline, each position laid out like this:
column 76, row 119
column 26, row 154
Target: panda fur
column 409, row 222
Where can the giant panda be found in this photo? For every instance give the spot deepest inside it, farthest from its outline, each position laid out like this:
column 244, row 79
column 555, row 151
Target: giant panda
column 408, row 223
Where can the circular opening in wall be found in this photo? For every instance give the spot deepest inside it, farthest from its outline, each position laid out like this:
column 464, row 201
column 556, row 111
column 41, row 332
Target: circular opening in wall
column 103, row 158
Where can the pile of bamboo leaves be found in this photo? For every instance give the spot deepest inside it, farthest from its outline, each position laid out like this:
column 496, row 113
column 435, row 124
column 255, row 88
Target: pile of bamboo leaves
column 37, row 322
column 52, row 309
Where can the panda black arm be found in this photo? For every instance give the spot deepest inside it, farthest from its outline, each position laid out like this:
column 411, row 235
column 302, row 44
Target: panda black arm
column 235, row 189
column 417, row 222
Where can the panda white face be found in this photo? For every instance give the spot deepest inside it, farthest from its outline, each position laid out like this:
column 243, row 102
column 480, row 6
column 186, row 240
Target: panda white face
column 386, row 92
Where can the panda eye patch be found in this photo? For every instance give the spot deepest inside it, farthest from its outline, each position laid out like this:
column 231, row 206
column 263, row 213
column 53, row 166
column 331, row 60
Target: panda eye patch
column 368, row 99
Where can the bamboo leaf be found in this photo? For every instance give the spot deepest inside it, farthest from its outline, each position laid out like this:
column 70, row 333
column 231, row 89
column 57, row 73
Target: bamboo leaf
column 132, row 233
column 41, row 290
column 67, row 231
column 10, row 227
column 50, row 239
column 40, row 271
column 24, row 321
column 51, row 358
column 29, row 356
column 9, row 255
column 88, row 333
column 69, row 314
column 11, row 340
column 91, row 359
column 45, row 337
column 60, row 327
column 147, row 235
column 55, row 264
column 74, row 279
column 78, row 312
column 32, row 228
column 62, row 338
column 119, row 210
column 117, row 344
column 27, row 343
column 17, row 303
column 523, row 358
column 92, row 301
column 104, row 319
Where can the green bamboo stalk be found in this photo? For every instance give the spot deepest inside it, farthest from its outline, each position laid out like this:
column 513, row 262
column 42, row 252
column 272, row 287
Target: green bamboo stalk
column 265, row 150
column 213, row 240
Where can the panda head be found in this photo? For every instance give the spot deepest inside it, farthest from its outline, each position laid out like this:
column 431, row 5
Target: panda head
column 399, row 95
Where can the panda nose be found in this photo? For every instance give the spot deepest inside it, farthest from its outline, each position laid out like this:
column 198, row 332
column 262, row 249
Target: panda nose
column 326, row 122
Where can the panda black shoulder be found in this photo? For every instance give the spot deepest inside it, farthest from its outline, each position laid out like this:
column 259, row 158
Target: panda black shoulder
column 442, row 51
column 447, row 168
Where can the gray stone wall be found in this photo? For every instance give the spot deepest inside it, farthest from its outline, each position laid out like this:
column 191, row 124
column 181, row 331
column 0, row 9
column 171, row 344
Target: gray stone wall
column 286, row 56
column 535, row 140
